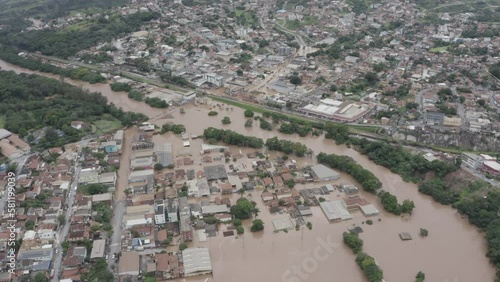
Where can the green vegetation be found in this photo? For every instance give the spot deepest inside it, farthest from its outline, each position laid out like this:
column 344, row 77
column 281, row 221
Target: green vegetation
column 420, row 277
column 440, row 49
column 287, row 147
column 309, row 225
column 291, row 128
column 174, row 128
column 257, row 225
column 248, row 113
column 156, row 102
column 109, row 124
column 176, row 80
column 264, row 124
column 120, row 86
column 136, row 95
column 31, row 102
column 98, row 271
column 369, row 182
column 240, row 230
column 337, row 132
column 92, row 189
column 248, row 123
column 226, row 120
column 410, row 166
column 2, row 121
column 97, row 58
column 212, row 113
column 244, row 17
column 183, row 246
column 424, row 232
column 243, row 209
column 232, row 138
column 67, row 42
column 83, row 74
column 371, row 270
column 353, row 241
column 18, row 10
column 390, row 204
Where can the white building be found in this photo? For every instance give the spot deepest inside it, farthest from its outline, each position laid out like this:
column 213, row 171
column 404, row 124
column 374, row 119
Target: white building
column 196, row 261
column 213, row 78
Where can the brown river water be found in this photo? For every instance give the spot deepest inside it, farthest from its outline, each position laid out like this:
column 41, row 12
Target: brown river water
column 454, row 251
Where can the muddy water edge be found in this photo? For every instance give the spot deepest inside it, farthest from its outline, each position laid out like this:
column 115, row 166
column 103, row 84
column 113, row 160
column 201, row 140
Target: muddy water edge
column 453, row 251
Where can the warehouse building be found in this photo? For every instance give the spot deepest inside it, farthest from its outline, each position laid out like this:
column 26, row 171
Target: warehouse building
column 323, row 173
column 196, row 261
column 335, row 210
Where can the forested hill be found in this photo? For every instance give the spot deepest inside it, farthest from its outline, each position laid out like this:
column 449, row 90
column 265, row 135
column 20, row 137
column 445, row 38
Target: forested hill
column 30, row 102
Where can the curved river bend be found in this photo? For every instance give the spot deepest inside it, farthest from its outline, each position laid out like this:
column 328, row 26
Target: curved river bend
column 454, row 251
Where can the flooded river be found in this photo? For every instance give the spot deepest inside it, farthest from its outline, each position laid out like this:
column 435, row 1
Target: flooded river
column 453, row 251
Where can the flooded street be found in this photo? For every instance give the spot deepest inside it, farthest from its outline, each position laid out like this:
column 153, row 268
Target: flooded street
column 453, row 251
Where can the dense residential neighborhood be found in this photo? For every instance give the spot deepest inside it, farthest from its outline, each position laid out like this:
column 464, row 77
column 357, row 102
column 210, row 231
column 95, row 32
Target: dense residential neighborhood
column 152, row 140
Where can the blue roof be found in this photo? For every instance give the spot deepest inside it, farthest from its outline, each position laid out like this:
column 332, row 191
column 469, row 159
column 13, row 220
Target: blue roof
column 111, row 149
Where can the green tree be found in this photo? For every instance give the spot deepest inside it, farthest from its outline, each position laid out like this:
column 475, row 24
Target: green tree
column 249, row 123
column 407, row 206
column 353, row 241
column 249, row 113
column 424, row 232
column 183, row 246
column 158, row 167
column 243, row 209
column 240, row 230
column 226, row 120
column 257, row 225
column 212, row 113
column 420, row 277
column 295, row 80
column 41, row 277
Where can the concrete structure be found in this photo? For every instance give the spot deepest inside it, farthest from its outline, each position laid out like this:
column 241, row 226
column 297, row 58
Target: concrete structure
column 335, row 210
column 453, row 122
column 434, row 118
column 324, row 173
column 214, row 209
column 198, row 188
column 471, row 160
column 346, row 112
column 129, row 264
column 369, row 210
column 88, row 176
column 284, row 223
column 196, row 261
column 160, row 212
column 164, row 154
column 491, row 167
column 98, row 249
column 171, row 210
column 215, row 172
column 4, row 133
column 36, row 254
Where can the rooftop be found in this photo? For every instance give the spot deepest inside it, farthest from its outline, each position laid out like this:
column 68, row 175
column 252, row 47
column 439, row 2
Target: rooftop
column 196, row 260
column 335, row 210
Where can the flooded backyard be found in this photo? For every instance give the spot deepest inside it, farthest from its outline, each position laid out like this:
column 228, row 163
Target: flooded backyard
column 453, row 251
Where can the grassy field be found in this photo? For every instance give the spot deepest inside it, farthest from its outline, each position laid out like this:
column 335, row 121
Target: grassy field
column 2, row 121
column 440, row 49
column 107, row 125
column 248, row 15
column 297, row 24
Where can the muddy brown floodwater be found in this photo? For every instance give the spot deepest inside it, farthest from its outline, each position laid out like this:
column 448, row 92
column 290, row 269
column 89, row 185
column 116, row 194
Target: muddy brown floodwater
column 454, row 251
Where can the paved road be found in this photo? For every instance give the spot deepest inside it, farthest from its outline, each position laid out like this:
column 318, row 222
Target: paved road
column 480, row 176
column 63, row 232
column 120, row 197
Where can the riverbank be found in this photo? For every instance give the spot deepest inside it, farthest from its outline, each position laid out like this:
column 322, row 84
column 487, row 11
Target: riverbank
column 450, row 235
